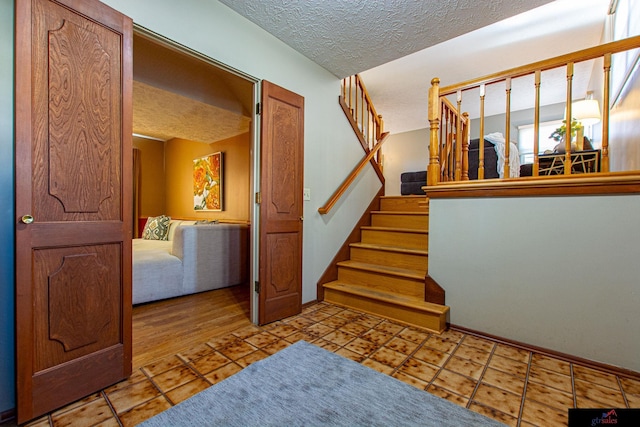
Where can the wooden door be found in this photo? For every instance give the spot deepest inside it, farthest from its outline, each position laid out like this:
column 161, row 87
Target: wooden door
column 73, row 201
column 281, row 209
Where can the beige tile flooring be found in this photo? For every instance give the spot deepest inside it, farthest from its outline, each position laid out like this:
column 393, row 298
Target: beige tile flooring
column 516, row 387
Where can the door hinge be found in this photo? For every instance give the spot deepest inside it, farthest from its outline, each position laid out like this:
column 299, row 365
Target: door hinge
column 259, row 108
column 258, row 198
column 256, row 286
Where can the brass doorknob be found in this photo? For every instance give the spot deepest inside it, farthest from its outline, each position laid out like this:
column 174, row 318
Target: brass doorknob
column 301, row 218
column 26, row 219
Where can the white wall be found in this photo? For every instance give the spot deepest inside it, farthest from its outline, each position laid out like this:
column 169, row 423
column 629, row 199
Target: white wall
column 624, row 128
column 331, row 149
column 556, row 272
column 404, row 152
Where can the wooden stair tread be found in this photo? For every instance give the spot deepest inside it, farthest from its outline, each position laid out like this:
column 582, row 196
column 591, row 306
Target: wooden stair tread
column 389, row 248
column 383, row 269
column 388, row 297
column 400, row 213
column 408, row 196
column 394, row 229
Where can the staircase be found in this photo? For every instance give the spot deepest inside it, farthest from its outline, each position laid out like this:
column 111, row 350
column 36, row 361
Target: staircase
column 386, row 272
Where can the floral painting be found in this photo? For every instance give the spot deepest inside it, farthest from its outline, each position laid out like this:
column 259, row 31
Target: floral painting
column 207, row 183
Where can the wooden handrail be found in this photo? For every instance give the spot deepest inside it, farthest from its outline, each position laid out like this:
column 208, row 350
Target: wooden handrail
column 547, row 64
column 352, row 176
column 441, row 132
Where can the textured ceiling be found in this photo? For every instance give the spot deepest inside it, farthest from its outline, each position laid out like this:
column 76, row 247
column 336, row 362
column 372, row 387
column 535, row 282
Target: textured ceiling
column 397, row 46
column 176, row 95
column 164, row 115
column 399, row 88
column 350, row 36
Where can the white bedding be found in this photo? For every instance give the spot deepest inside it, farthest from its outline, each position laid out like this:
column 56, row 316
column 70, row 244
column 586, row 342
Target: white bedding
column 514, row 156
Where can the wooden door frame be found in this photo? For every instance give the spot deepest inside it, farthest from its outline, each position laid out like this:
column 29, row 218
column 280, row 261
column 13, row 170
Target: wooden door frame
column 254, row 180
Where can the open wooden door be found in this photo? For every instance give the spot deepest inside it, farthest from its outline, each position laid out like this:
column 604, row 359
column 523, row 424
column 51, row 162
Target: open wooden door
column 73, row 201
column 281, row 208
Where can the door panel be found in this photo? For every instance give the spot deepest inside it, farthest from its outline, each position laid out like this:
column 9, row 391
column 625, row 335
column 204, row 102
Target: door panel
column 281, row 209
column 73, row 175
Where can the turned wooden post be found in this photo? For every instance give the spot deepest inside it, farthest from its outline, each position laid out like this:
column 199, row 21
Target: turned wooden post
column 458, row 147
column 433, row 170
column 536, row 126
column 507, row 133
column 481, row 140
column 605, row 113
column 465, row 147
column 379, row 132
column 568, row 121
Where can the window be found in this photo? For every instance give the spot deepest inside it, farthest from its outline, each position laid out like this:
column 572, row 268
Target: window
column 525, row 140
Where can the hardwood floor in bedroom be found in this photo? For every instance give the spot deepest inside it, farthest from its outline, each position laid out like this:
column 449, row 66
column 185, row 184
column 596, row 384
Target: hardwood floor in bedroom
column 166, row 327
column 185, row 345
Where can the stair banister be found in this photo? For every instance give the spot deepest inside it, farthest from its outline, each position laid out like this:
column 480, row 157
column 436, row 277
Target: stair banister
column 347, row 182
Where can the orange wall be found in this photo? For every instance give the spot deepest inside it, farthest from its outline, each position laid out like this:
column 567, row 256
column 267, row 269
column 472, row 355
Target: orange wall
column 179, row 156
column 152, row 187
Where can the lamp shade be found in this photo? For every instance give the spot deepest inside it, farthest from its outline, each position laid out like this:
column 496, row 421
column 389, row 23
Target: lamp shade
column 587, row 111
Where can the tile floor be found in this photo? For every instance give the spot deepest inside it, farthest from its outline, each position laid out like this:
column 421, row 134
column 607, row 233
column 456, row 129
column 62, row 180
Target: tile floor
column 516, row 387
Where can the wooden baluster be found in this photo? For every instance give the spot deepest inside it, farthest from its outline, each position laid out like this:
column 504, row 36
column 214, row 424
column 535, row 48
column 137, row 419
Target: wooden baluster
column 379, row 124
column 366, row 125
column 536, row 125
column 605, row 113
column 465, row 147
column 362, row 107
column 355, row 101
column 458, row 175
column 442, row 138
column 451, row 140
column 568, row 121
column 481, row 140
column 507, row 132
column 451, row 146
column 444, row 144
column 433, row 170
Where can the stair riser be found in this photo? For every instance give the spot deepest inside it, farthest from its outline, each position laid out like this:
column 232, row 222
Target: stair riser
column 390, row 259
column 383, row 282
column 403, row 204
column 395, row 238
column 433, row 322
column 418, row 222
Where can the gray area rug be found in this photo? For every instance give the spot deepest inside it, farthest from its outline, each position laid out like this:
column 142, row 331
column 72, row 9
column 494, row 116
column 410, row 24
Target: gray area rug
column 305, row 385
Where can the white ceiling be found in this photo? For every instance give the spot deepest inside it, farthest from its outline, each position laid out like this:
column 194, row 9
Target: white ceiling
column 398, row 46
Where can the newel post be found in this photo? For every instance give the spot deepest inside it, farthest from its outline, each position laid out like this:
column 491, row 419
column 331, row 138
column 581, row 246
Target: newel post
column 433, row 170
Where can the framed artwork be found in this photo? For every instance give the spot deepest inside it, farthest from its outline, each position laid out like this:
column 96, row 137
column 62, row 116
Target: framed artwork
column 207, row 183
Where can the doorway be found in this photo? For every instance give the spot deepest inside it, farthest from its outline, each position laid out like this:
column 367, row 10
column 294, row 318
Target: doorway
column 186, row 106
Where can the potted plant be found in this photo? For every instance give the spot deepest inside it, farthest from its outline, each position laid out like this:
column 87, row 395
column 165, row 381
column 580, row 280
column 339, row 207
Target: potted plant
column 560, row 135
